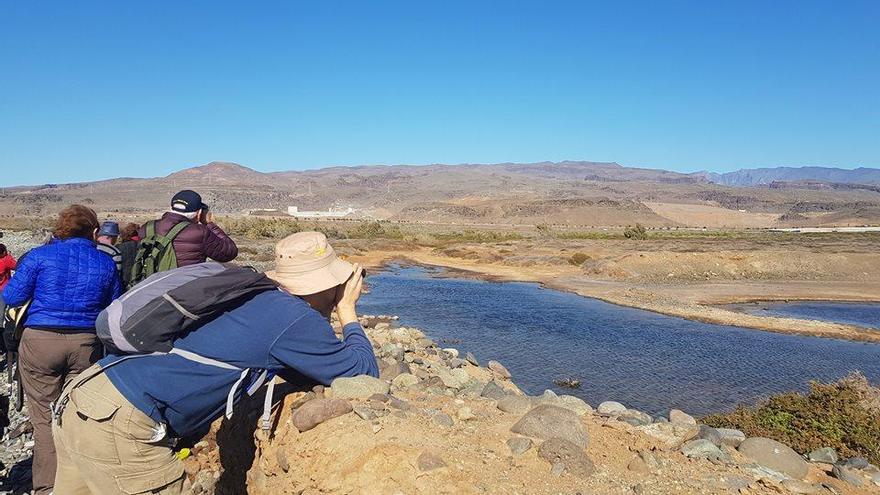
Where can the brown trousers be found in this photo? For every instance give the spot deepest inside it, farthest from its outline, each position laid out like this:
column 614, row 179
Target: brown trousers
column 105, row 445
column 48, row 360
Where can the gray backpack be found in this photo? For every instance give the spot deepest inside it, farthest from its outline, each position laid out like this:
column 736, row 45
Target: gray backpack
column 147, row 319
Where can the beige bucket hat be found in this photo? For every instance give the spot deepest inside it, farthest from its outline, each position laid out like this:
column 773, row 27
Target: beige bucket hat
column 305, row 263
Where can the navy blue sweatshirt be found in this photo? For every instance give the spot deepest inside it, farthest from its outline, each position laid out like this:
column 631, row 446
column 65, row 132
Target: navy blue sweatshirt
column 273, row 331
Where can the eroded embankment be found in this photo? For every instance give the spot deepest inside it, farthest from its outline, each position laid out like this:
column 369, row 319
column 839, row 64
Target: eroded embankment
column 438, row 422
column 694, row 301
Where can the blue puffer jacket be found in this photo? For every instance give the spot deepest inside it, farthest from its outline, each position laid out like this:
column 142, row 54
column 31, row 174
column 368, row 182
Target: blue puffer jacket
column 70, row 282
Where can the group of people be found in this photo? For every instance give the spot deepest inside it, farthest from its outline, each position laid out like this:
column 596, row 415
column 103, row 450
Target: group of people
column 115, row 428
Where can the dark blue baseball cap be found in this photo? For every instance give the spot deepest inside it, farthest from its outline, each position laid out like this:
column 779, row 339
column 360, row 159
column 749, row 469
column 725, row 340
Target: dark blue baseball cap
column 110, row 229
column 187, row 201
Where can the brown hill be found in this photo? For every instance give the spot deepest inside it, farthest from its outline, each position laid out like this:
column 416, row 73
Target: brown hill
column 573, row 193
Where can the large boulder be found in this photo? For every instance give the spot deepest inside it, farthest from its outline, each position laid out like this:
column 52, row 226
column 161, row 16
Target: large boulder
column 730, row 436
column 315, row 412
column 552, row 421
column 669, row 435
column 610, row 408
column 776, row 456
column 559, row 451
column 514, row 404
column 358, row 387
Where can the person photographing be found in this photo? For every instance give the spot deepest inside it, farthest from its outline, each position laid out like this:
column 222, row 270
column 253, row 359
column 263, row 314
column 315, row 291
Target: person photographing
column 140, row 405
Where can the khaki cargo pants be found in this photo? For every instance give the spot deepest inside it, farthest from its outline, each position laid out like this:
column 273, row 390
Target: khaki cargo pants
column 104, row 445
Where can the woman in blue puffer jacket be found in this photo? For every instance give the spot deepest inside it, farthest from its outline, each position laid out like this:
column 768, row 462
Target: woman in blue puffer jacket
column 69, row 282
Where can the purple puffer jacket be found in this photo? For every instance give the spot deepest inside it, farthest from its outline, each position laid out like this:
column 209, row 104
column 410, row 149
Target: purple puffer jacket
column 196, row 242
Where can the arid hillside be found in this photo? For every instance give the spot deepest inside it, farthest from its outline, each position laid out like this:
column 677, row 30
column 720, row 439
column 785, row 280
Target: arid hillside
column 575, row 194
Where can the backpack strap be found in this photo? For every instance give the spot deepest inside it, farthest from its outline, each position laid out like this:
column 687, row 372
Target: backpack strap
column 150, row 229
column 178, row 227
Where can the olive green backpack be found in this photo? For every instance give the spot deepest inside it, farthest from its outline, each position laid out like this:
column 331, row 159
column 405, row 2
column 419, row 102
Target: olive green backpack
column 155, row 253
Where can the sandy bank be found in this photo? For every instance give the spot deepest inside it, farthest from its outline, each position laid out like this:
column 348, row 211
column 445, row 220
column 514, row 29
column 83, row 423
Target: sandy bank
column 694, row 301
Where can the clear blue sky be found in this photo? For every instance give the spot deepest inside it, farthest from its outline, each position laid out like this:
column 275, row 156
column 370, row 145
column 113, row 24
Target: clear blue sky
column 92, row 90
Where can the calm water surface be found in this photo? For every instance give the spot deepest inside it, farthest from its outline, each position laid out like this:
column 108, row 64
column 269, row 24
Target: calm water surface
column 862, row 314
column 642, row 359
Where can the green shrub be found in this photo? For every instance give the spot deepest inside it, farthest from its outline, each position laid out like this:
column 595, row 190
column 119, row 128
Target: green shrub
column 261, row 228
column 374, row 230
column 843, row 415
column 637, row 232
column 477, row 236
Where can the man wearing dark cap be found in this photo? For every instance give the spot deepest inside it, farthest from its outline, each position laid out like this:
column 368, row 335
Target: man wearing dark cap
column 107, row 236
column 200, row 238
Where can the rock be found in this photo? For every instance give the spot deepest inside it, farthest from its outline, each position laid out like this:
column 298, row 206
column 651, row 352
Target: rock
column 575, row 404
column 365, row 413
column 471, row 359
column 669, row 435
column 379, row 397
column 514, row 404
column 428, row 462
column 552, row 421
column 857, row 463
column 635, row 417
column 710, row 434
column 404, row 380
column 398, row 404
column 357, row 387
column 456, row 363
column 302, row 400
column 443, row 419
column 776, row 456
column 637, row 465
column 731, row 437
column 315, row 412
column 548, row 397
column 473, row 389
column 390, row 371
column 465, row 414
column 610, row 408
column 825, row 454
column 493, row 391
column 498, row 369
column 649, row 458
column 456, row 378
column 519, row 445
column 557, row 469
column 701, row 449
column 678, row 416
column 558, row 450
column 847, row 474
column 281, row 458
column 802, row 487
column 453, row 352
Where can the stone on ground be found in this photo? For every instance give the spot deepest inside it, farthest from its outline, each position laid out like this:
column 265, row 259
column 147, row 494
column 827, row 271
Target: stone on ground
column 358, row 387
column 802, row 487
column 429, row 461
column 825, row 454
column 731, row 437
column 404, row 380
column 609, row 408
column 776, row 456
column 315, row 412
column 514, row 404
column 678, row 416
column 848, row 475
column 669, row 435
column 572, row 457
column 498, row 369
column 494, row 391
column 546, row 422
column 570, row 402
column 456, row 378
column 471, row 359
column 519, row 445
column 701, row 449
column 710, row 434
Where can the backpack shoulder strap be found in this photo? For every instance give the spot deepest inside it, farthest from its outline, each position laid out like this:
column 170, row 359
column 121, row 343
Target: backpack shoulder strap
column 151, row 229
column 177, row 229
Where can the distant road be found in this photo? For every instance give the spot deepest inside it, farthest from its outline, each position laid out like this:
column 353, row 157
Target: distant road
column 809, row 230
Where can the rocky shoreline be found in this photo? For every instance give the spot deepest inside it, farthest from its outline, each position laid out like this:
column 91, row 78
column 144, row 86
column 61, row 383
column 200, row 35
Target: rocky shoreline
column 438, row 421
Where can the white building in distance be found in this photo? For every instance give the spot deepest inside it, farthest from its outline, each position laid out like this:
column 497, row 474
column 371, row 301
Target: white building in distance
column 330, row 213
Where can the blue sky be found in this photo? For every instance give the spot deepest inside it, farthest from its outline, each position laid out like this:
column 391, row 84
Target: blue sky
column 93, row 90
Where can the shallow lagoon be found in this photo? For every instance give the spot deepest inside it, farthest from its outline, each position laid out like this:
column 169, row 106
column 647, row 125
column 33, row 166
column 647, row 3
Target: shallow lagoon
column 861, row 314
column 645, row 360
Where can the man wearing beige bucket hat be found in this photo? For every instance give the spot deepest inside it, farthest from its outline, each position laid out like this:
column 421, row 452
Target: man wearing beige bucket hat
column 285, row 332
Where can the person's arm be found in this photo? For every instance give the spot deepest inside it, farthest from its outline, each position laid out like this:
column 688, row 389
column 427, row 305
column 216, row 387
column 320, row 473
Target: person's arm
column 310, row 347
column 22, row 285
column 217, row 245
column 11, row 263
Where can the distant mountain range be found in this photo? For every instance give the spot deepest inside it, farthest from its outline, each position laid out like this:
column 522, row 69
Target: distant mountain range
column 766, row 176
column 576, row 194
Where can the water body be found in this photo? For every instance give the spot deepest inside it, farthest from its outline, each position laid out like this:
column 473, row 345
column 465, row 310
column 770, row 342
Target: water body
column 861, row 314
column 645, row 360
